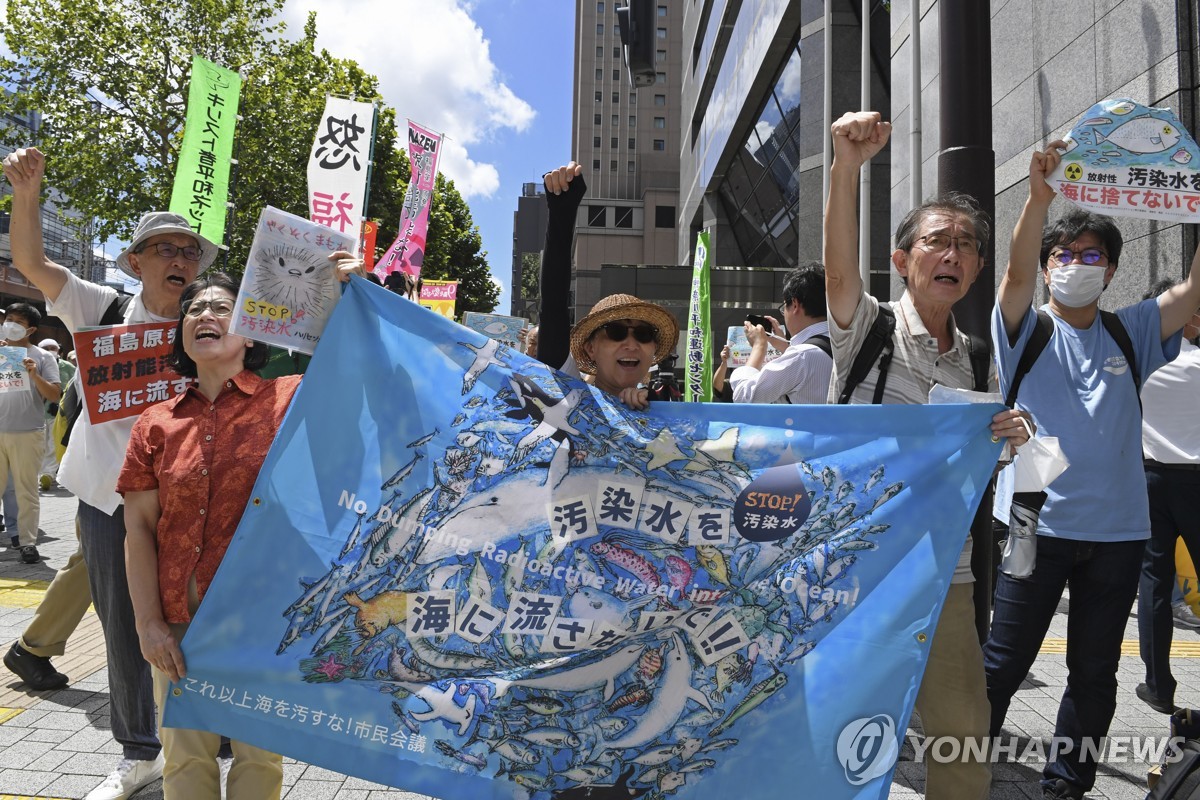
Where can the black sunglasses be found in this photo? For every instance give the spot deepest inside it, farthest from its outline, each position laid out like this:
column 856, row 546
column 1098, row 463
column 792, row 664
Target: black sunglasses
column 617, row 332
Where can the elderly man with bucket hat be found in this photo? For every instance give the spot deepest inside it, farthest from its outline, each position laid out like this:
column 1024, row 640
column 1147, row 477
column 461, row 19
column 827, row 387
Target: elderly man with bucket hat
column 165, row 254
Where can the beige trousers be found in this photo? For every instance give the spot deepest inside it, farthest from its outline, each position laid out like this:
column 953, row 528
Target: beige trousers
column 191, row 771
column 953, row 700
column 62, row 607
column 21, row 456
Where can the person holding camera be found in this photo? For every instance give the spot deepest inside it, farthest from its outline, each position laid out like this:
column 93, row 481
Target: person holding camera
column 801, row 374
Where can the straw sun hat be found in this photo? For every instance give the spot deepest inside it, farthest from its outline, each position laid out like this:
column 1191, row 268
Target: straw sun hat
column 623, row 306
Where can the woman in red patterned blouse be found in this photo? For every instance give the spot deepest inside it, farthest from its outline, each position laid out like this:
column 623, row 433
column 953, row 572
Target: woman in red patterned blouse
column 188, row 473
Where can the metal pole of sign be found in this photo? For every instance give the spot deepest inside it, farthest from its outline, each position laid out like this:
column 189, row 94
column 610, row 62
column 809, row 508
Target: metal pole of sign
column 370, row 159
column 864, row 179
column 827, row 153
column 914, row 106
column 967, row 163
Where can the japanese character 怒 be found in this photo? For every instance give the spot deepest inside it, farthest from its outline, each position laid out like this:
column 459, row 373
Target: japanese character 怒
column 338, row 145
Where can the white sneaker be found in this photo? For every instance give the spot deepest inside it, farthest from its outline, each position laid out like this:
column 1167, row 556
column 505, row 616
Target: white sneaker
column 127, row 778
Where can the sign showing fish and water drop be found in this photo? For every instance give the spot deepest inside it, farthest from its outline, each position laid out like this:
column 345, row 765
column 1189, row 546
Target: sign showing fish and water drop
column 1128, row 160
column 493, row 580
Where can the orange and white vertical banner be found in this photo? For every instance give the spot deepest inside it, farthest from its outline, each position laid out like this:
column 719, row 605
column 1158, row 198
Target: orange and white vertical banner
column 338, row 165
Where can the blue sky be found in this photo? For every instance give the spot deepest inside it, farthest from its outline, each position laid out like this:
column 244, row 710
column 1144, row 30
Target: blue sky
column 494, row 75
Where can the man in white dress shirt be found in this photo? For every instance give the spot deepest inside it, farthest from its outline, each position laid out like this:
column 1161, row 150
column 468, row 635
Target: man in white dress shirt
column 801, row 373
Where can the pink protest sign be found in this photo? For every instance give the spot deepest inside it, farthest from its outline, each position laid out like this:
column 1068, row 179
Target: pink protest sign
column 439, row 296
column 407, row 253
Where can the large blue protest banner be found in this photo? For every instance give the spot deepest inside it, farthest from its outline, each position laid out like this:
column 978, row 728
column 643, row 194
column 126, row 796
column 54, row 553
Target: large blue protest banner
column 464, row 574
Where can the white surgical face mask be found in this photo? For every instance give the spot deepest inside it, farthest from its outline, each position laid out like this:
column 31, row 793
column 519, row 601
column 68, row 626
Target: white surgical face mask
column 12, row 331
column 1076, row 285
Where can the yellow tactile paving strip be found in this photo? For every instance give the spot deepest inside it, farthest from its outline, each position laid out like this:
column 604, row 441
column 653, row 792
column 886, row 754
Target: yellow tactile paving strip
column 27, row 797
column 1129, row 647
column 85, row 648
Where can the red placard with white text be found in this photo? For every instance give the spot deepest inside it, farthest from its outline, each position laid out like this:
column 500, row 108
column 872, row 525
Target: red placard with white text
column 123, row 369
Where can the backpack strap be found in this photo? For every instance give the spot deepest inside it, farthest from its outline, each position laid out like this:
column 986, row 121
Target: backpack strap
column 115, row 313
column 1116, row 329
column 822, row 343
column 878, row 346
column 1038, row 340
column 981, row 361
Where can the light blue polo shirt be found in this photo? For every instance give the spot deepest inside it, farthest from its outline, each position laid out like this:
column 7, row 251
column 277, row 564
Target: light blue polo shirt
column 1080, row 389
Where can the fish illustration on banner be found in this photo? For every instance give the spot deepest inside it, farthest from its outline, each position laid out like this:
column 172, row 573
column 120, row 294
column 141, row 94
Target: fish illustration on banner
column 1124, row 159
column 487, row 579
column 501, row 327
column 288, row 290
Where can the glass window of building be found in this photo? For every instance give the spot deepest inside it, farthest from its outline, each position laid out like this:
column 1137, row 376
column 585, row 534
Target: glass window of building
column 612, row 165
column 662, row 11
column 616, row 97
column 660, row 77
column 616, row 52
column 600, row 29
column 632, row 121
column 632, row 143
column 661, row 33
column 760, row 189
column 599, row 51
column 660, row 144
column 614, row 142
column 616, row 120
column 599, row 74
column 597, row 216
column 630, row 167
column 623, row 217
column 660, row 122
column 664, row 216
column 596, row 164
column 595, row 141
column 595, row 119
column 616, row 74
column 599, row 8
column 660, row 56
column 598, row 96
column 633, row 98
column 660, row 99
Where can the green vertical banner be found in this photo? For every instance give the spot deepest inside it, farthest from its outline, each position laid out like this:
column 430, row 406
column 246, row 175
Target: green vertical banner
column 698, row 369
column 201, row 190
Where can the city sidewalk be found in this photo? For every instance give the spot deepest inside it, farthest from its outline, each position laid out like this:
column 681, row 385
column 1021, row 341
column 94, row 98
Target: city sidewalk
column 57, row 744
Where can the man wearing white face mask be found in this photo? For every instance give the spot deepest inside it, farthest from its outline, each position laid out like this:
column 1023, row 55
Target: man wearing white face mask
column 1083, row 388
column 23, row 422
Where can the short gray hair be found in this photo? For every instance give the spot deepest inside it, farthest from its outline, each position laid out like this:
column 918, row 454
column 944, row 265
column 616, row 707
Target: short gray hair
column 950, row 202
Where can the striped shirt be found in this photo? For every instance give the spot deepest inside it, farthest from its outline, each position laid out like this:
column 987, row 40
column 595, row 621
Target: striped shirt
column 799, row 375
column 915, row 369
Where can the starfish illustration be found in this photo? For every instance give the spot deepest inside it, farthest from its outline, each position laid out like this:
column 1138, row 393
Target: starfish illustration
column 330, row 668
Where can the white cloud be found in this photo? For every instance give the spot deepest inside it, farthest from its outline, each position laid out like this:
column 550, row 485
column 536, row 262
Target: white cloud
column 434, row 67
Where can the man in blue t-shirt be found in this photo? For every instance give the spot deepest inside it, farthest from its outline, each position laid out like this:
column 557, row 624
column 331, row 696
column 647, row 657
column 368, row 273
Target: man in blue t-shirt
column 1095, row 521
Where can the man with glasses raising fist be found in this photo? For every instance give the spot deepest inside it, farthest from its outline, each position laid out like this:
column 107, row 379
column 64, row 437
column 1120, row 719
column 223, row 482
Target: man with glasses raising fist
column 938, row 253
column 166, row 255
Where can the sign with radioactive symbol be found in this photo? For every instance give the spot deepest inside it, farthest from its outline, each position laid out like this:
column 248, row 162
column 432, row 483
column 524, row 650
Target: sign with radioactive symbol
column 1073, row 172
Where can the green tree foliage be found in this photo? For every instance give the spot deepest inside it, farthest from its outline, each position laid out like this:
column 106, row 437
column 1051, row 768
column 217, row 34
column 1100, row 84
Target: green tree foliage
column 110, row 78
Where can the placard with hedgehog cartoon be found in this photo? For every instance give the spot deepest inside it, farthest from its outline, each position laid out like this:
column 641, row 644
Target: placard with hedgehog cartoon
column 1124, row 159
column 289, row 289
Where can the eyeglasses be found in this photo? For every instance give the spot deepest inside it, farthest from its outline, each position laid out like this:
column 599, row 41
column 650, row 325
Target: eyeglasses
column 938, row 242
column 1089, row 256
column 617, row 332
column 219, row 308
column 168, row 250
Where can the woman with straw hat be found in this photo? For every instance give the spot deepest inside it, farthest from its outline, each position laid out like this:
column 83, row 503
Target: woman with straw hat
column 618, row 342
column 615, row 345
